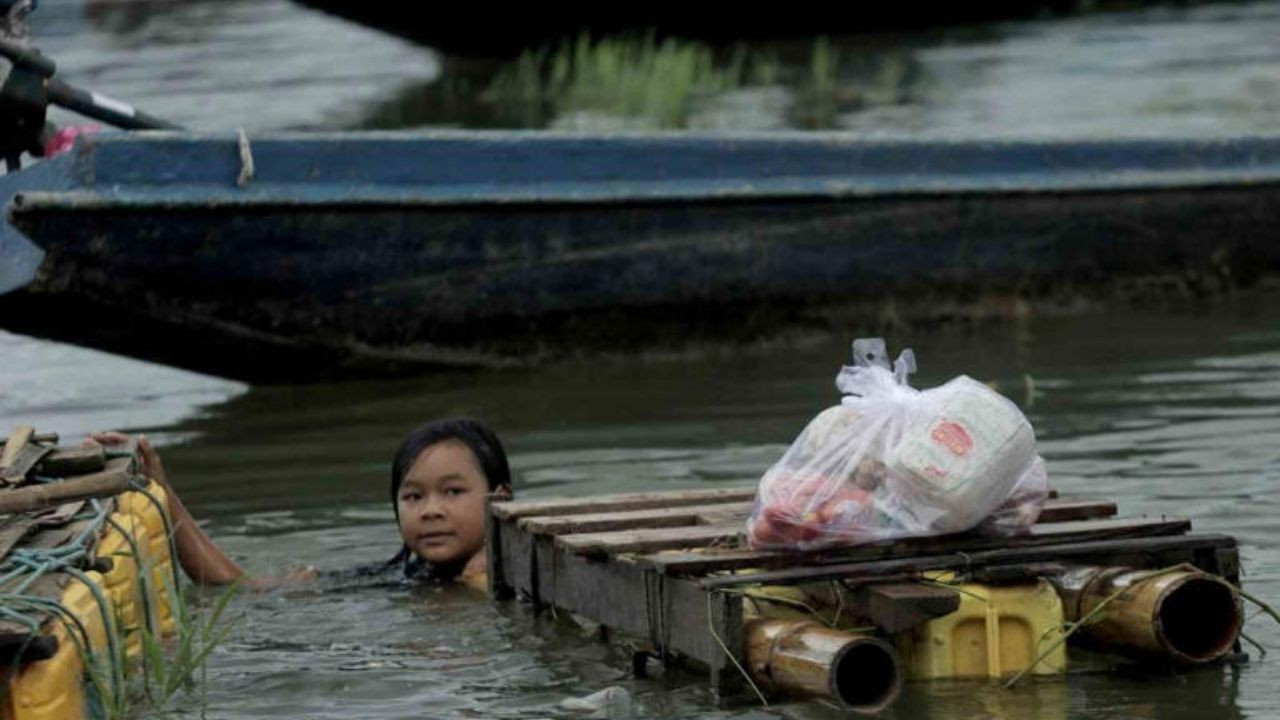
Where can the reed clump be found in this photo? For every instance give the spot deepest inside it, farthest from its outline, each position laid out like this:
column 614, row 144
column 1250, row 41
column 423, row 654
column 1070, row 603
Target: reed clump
column 660, row 83
column 173, row 665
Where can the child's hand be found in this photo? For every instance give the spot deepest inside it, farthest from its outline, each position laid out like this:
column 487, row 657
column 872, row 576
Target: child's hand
column 148, row 459
column 151, row 465
column 109, row 439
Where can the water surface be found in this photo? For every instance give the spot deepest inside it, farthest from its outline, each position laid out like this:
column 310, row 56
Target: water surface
column 1168, row 412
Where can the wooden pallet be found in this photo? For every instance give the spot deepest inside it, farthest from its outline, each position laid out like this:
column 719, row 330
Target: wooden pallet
column 661, row 567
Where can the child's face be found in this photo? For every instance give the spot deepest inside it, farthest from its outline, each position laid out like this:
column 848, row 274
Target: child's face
column 441, row 504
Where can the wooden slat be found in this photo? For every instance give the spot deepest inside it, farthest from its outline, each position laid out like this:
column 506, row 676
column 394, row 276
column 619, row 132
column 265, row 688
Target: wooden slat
column 634, row 519
column 1133, row 552
column 698, row 536
column 57, row 536
column 1054, row 511
column 15, row 471
column 14, row 444
column 671, row 615
column 1041, row 534
column 1062, row 510
column 13, row 528
column 620, row 503
column 73, row 461
column 894, row 607
column 650, row 540
column 42, row 438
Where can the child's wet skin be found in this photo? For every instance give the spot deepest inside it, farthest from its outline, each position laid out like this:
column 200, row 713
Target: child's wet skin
column 441, row 504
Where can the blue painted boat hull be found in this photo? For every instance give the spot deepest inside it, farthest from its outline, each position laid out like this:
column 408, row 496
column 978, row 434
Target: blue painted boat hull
column 391, row 253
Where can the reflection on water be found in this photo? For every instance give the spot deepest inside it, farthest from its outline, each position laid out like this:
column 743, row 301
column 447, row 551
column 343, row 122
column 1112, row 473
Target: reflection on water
column 222, row 64
column 1203, row 71
column 73, row 391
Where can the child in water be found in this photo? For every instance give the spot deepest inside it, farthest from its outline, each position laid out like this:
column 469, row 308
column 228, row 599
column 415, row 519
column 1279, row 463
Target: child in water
column 440, row 477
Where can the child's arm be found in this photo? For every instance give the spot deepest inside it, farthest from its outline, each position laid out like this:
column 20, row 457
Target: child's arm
column 203, row 561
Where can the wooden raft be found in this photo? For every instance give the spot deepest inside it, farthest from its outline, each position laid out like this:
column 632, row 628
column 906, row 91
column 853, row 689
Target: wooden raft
column 661, row 567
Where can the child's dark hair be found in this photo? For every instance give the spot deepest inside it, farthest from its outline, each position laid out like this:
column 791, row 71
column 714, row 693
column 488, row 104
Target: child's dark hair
column 479, row 439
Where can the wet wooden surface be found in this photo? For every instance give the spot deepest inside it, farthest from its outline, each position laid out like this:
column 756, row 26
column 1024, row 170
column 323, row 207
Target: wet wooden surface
column 664, row 567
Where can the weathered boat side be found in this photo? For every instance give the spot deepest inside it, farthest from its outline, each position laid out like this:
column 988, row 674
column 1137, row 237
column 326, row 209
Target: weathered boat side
column 528, row 27
column 384, row 252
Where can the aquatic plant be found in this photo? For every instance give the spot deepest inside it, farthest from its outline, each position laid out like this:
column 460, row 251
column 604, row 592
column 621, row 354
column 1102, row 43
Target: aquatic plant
column 198, row 632
column 170, row 662
column 637, row 77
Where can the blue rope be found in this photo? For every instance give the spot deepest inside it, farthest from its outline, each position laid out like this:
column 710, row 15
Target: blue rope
column 24, row 566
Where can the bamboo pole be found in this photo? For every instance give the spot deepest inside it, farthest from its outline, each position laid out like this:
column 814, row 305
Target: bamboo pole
column 39, row 497
column 1180, row 615
column 802, row 658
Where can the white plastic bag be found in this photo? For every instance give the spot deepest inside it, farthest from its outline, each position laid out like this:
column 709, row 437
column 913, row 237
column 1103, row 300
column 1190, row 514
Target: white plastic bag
column 892, row 461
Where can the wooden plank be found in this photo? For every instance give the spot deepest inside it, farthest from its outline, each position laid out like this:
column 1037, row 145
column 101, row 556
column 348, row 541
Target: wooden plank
column 1132, row 552
column 65, row 461
column 14, row 444
column 650, row 540
column 497, row 580
column 514, row 510
column 636, row 519
column 517, row 569
column 700, row 536
column 1065, row 509
column 42, row 438
column 1040, row 534
column 60, row 515
column 1054, row 511
column 51, row 537
column 669, row 614
column 15, row 471
column 894, row 607
column 13, row 528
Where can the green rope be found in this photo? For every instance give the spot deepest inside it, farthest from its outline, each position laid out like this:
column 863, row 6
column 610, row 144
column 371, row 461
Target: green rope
column 142, row 573
column 25, row 566
column 168, row 532
column 113, row 645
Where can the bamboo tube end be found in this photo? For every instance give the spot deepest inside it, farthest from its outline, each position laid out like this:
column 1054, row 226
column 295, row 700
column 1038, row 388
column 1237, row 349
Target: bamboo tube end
column 1199, row 618
column 866, row 676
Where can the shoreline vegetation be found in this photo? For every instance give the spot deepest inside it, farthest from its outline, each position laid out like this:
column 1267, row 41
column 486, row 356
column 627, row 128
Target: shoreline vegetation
column 643, row 82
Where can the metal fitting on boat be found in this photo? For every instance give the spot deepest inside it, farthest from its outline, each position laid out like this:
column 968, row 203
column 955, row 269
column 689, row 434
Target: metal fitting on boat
column 801, row 658
column 1185, row 616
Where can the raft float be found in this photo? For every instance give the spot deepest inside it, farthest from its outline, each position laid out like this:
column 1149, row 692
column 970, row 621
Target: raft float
column 671, row 571
column 86, row 576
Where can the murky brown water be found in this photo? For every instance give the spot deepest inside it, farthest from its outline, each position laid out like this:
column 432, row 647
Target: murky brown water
column 1170, row 413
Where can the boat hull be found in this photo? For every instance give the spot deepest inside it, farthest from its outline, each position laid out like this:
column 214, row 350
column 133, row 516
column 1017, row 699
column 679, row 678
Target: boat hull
column 273, row 286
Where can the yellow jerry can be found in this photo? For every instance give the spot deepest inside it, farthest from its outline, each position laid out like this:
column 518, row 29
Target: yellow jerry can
column 123, row 581
column 54, row 689
column 997, row 631
column 158, row 558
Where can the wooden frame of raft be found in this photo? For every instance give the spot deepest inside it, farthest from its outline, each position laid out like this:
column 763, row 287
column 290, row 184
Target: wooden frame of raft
column 661, row 567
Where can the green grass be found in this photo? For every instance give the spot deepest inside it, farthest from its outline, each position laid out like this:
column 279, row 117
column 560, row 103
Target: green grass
column 172, row 667
column 655, row 83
